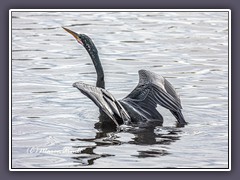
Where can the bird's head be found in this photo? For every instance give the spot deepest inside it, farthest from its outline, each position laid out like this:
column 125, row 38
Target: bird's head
column 83, row 40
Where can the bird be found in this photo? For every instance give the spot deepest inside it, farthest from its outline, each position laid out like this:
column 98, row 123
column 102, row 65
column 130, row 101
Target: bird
column 138, row 107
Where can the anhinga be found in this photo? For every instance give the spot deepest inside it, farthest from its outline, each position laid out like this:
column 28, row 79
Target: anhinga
column 137, row 107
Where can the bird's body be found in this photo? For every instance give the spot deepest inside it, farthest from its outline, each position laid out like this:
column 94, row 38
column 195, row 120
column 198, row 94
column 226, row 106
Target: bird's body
column 137, row 107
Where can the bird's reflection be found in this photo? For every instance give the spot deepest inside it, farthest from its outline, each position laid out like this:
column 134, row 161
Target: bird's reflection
column 106, row 135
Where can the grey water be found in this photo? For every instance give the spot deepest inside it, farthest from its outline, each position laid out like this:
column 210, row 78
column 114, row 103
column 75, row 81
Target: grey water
column 53, row 125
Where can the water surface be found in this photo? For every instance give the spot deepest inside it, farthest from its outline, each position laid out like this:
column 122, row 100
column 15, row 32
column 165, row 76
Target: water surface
column 53, row 124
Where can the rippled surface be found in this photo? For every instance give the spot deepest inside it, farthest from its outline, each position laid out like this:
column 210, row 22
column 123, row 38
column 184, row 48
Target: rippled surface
column 53, row 124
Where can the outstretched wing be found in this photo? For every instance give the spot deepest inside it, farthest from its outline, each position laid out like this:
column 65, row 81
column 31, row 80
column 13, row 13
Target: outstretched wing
column 104, row 100
column 152, row 90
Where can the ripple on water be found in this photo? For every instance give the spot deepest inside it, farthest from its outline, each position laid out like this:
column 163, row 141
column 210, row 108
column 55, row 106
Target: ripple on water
column 54, row 125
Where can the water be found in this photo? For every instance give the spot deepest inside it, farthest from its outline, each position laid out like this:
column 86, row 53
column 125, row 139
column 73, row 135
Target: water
column 53, row 124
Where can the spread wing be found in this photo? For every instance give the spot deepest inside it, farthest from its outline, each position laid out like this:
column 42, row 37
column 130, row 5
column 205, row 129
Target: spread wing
column 153, row 90
column 104, row 100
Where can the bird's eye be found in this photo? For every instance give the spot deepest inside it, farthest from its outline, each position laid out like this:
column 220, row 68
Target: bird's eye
column 87, row 46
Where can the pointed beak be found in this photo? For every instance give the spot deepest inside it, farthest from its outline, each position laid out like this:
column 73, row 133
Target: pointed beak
column 75, row 35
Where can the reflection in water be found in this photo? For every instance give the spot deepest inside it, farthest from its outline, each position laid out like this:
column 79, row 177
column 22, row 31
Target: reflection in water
column 86, row 155
column 107, row 136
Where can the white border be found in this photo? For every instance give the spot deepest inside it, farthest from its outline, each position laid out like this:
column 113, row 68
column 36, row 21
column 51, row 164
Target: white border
column 229, row 89
column 117, row 10
column 10, row 91
column 120, row 10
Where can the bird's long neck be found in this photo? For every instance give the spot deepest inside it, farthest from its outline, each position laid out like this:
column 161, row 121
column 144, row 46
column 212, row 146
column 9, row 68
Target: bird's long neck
column 98, row 66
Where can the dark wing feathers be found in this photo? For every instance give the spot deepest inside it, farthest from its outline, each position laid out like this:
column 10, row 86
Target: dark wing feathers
column 104, row 100
column 170, row 89
column 164, row 99
column 153, row 89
